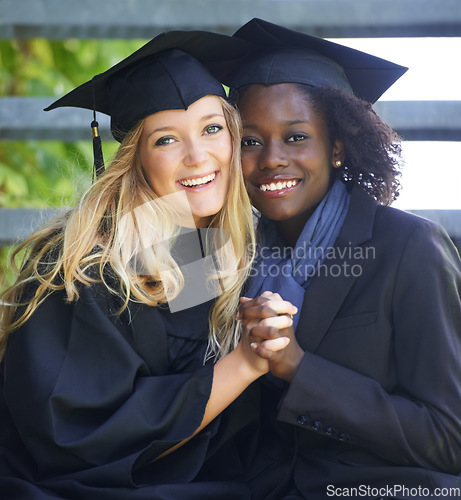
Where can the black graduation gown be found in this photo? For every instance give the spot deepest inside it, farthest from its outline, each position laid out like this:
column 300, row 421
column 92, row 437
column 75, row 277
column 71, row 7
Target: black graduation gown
column 90, row 399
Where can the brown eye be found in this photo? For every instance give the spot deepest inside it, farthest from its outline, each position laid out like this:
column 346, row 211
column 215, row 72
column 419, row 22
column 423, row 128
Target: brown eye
column 250, row 141
column 297, row 138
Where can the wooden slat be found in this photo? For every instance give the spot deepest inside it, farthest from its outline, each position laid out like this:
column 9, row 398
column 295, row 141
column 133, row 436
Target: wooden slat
column 423, row 120
column 146, row 18
column 18, row 223
column 24, row 118
column 449, row 219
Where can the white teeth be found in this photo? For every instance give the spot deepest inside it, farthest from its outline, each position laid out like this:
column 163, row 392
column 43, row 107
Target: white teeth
column 277, row 186
column 199, row 181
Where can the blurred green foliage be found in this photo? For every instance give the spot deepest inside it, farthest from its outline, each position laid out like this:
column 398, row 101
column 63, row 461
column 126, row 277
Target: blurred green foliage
column 48, row 173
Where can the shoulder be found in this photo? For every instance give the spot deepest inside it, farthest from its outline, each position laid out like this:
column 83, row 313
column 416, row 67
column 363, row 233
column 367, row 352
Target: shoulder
column 396, row 231
column 363, row 207
column 368, row 220
column 402, row 223
column 419, row 239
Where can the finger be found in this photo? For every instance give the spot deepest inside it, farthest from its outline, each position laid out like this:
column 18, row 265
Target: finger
column 275, row 345
column 271, row 295
column 248, row 303
column 282, row 307
column 261, row 333
column 263, row 307
column 276, row 304
column 256, row 311
column 263, row 352
column 279, row 322
column 245, row 299
column 247, row 330
column 242, row 301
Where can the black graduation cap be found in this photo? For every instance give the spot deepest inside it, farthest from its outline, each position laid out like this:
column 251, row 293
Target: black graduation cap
column 288, row 56
column 172, row 71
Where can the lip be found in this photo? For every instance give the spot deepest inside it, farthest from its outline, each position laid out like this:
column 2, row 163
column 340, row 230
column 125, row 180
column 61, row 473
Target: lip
column 200, row 187
column 275, row 179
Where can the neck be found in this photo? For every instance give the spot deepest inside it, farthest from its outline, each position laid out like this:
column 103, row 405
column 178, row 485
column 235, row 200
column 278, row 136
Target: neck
column 292, row 228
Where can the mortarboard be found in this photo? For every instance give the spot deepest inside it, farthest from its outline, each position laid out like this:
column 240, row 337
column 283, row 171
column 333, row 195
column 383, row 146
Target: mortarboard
column 288, row 56
column 172, row 71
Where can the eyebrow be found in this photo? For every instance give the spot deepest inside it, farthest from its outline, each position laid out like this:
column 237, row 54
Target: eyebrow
column 169, row 128
column 289, row 123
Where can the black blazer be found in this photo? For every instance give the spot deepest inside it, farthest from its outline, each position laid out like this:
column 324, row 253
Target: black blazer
column 376, row 400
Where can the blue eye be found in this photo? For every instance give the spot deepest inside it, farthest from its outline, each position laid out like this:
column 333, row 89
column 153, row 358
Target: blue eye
column 213, row 129
column 250, row 141
column 164, row 141
column 297, row 138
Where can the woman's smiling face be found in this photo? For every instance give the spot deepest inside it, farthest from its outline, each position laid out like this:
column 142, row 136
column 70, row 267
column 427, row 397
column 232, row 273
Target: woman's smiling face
column 189, row 151
column 287, row 156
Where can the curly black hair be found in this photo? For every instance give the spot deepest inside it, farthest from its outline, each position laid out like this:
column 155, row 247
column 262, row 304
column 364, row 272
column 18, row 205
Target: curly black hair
column 373, row 149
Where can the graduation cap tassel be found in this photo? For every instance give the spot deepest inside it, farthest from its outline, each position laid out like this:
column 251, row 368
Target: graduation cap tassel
column 97, row 150
column 98, row 165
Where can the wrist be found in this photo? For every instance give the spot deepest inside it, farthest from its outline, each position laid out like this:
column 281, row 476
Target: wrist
column 246, row 369
column 290, row 374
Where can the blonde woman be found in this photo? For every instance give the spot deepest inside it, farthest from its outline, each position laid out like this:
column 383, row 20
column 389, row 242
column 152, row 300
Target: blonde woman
column 117, row 354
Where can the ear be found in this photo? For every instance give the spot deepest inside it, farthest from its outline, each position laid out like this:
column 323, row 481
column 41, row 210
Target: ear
column 338, row 154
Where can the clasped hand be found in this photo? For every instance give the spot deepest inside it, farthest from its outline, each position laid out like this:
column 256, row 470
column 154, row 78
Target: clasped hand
column 268, row 328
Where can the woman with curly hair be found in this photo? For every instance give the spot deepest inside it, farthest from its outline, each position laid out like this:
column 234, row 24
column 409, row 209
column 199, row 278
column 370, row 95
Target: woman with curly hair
column 120, row 344
column 365, row 401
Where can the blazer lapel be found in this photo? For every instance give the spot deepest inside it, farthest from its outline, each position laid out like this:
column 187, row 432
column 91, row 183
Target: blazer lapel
column 328, row 290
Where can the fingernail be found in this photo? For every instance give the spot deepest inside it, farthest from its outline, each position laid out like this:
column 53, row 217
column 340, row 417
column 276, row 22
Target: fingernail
column 254, row 345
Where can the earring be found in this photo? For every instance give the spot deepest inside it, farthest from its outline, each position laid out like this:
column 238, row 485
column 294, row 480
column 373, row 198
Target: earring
column 338, row 163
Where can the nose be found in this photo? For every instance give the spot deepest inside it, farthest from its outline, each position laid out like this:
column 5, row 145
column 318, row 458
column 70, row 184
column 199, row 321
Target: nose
column 195, row 154
column 273, row 156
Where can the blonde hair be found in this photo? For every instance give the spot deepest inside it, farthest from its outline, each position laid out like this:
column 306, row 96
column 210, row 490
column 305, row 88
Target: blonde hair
column 103, row 236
